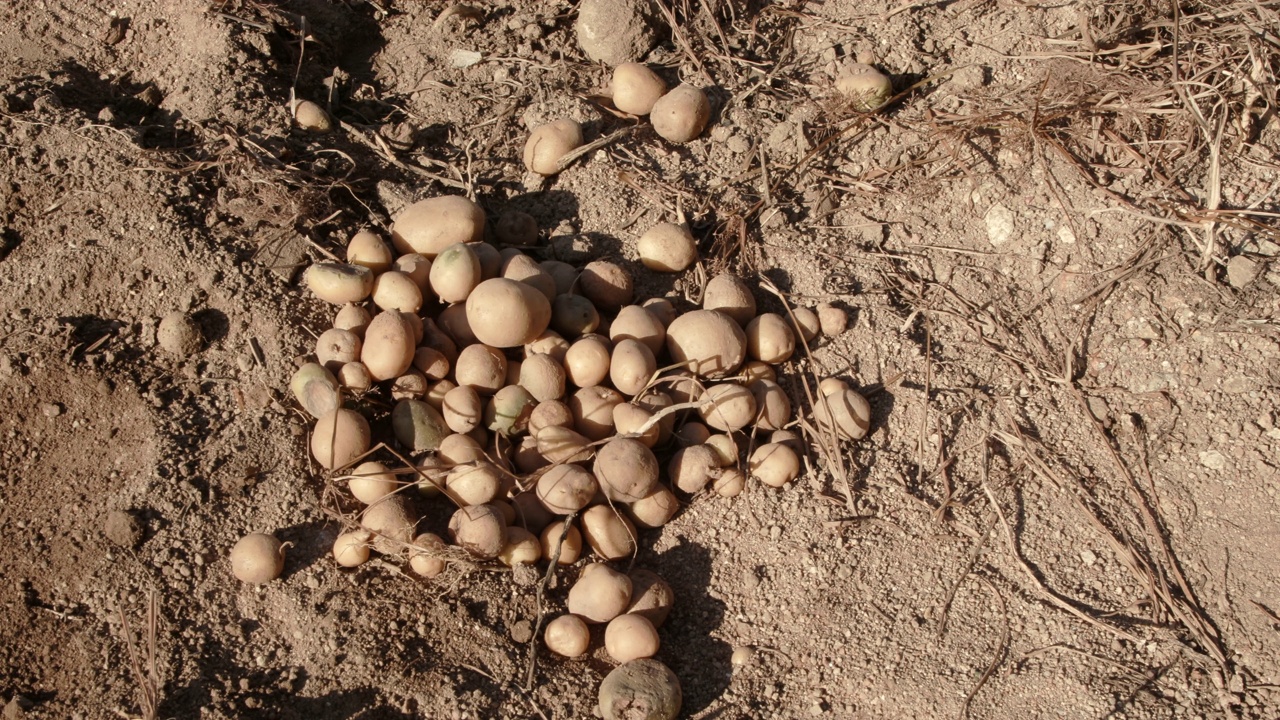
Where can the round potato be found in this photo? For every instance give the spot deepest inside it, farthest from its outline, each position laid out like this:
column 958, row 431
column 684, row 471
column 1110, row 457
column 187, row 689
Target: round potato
column 770, row 339
column 635, row 88
column 339, row 438
column 587, row 361
column 481, row 367
column 681, row 115
column 455, row 272
column 335, row 348
column 574, row 315
column 708, row 342
column 626, row 470
column 394, row 290
column 593, row 411
column 631, row 366
column 730, row 295
column 566, row 489
column 516, row 228
column 638, row 323
column 774, row 464
column 507, row 313
column 667, row 247
column 606, row 285
column 367, row 249
column 600, row 594
column 609, row 533
column 429, row 226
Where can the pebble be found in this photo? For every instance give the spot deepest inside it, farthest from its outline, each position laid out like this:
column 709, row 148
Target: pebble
column 742, row 655
column 1241, row 272
column 999, row 220
column 51, row 410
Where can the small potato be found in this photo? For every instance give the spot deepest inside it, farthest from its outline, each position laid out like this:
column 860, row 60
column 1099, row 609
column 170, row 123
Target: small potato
column 426, row 557
column 339, row 438
column 631, row 366
column 655, row 402
column 435, row 396
column 431, row 363
column 388, row 346
column 257, row 558
column 412, row 385
column 526, row 457
column 635, row 88
column 507, row 313
column 567, row 636
column 833, row 320
column 508, row 411
column 728, row 407
column 808, row 322
column 482, row 368
column 437, row 339
column 708, row 342
column 790, row 438
column 417, row 267
column 516, row 228
column 754, row 370
column 339, row 283
column 565, row 275
column 651, row 596
column 681, row 115
column 593, row 411
column 845, row 410
column 416, row 324
column 693, row 467
column 367, row 249
column 662, row 309
column 626, row 470
column 628, row 419
column 563, row 445
column 417, row 426
column 394, row 290
column 473, row 484
column 335, row 348
column 508, row 512
column 667, row 247
column 479, row 529
column 732, row 296
column 548, row 413
column 629, row 637
column 655, row 510
column 770, row 339
column 315, row 389
column 609, row 533
column 600, row 594
column 565, row 537
column 548, row 143
column 453, row 321
column 730, row 483
column 525, row 269
column 429, row 475
column 521, row 547
column 529, row 513
column 548, row 343
column 354, row 318
column 637, row 323
column 574, row 315
column 774, row 465
column 726, row 449
column 566, row 489
column 773, row 407
column 864, row 87
column 311, row 117
column 455, row 273
column 642, row 689
column 606, row 285
column 459, row 450
column 429, row 226
column 372, row 481
column 692, row 433
column 391, row 522
column 352, row 548
column 586, row 364
column 543, row 377
column 354, row 376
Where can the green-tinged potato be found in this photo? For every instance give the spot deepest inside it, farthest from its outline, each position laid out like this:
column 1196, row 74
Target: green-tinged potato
column 548, row 143
column 774, row 464
column 593, row 411
column 667, row 247
column 566, row 538
column 567, row 636
column 631, row 366
column 507, row 313
column 691, row 468
column 482, row 368
column 730, row 295
column 708, row 342
column 635, row 88
column 455, row 273
column 394, row 290
column 642, row 689
column 339, row 283
column 367, row 249
column 429, row 226
column 335, row 348
column 315, row 389
column 474, row 483
column 626, row 470
column 508, row 410
column 340, row 436
column 600, row 594
column 773, row 407
column 606, row 285
column 586, row 363
column 770, row 339
column 391, row 521
column 257, row 558
column 681, row 115
column 629, row 637
column 609, row 533
column 372, row 481
column 655, row 510
column 566, row 489
column 479, row 529
column 728, row 407
column 388, row 346
column 354, row 318
column 417, row 426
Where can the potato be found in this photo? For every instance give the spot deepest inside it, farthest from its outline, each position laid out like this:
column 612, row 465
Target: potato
column 628, row 637
column 846, row 411
column 311, row 117
column 437, row 339
column 655, row 402
column 453, row 321
column 354, row 318
column 770, row 339
column 635, row 88
column 691, row 468
column 728, row 407
column 563, row 445
column 388, row 346
column 352, row 548
column 429, row 226
column 574, row 315
column 606, row 285
column 525, row 456
column 773, row 407
column 864, row 87
column 808, row 322
column 548, row 143
column 508, row 513
column 667, row 247
column 426, row 557
column 335, row 348
column 482, row 368
column 429, row 475
column 692, row 433
column 520, row 547
column 435, row 395
column 525, row 269
column 458, row 449
column 631, row 366
column 586, row 364
column 626, row 470
column 417, row 267
column 372, row 481
column 730, row 295
column 479, row 529
column 774, row 465
column 832, row 319
column 548, row 413
column 367, row 249
column 455, row 272
column 642, row 689
column 340, row 436
column 790, row 438
column 257, row 558
column 655, row 510
column 708, row 342
column 417, row 426
column 628, row 419
column 651, row 596
column 600, row 594
column 730, row 483
column 543, row 377
column 354, row 376
column 316, row 389
column 474, row 483
column 391, row 522
column 528, row 512
column 609, row 533
column 548, row 343
column 339, row 283
column 726, row 449
column 411, row 385
column 394, row 290
column 637, row 323
column 567, row 636
column 508, row 411
column 754, row 370
column 564, row 537
column 593, row 411
column 507, row 313
column 566, row 489
column 683, row 386
column 516, row 228
column 681, row 115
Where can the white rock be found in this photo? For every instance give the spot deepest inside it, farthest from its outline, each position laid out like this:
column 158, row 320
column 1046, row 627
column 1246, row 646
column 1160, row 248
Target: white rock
column 999, row 221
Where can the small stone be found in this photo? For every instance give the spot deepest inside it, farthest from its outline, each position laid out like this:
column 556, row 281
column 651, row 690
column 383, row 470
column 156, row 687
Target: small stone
column 522, row 631
column 1088, row 557
column 1213, row 460
column 123, row 529
column 1241, row 272
column 742, row 655
column 51, row 410
column 179, row 335
column 16, row 708
column 1000, row 226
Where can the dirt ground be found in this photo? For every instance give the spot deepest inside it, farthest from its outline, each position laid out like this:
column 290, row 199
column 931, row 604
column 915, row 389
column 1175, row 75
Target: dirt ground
column 1057, row 247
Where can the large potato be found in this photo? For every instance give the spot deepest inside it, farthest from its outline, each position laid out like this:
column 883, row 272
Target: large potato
column 566, row 489
column 507, row 313
column 429, row 226
column 626, row 470
column 730, row 295
column 638, row 323
column 340, row 436
column 708, row 342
